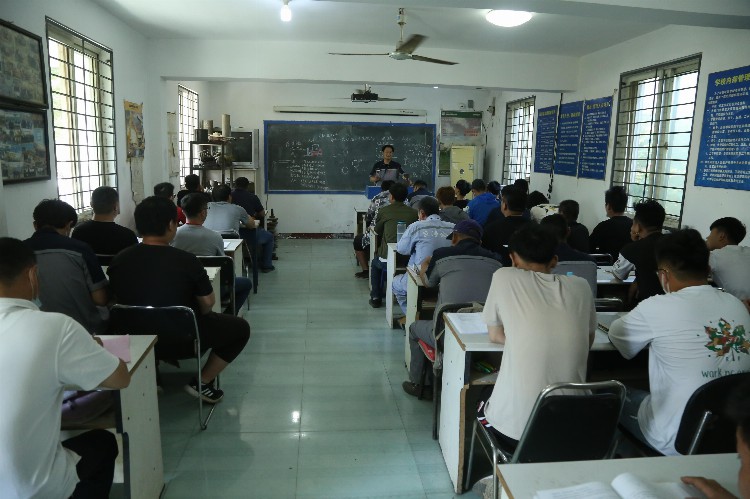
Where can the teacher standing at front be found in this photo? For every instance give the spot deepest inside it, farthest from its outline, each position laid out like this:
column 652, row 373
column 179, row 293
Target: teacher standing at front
column 380, row 170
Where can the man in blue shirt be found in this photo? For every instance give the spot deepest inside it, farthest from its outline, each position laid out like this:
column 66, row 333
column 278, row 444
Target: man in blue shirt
column 483, row 203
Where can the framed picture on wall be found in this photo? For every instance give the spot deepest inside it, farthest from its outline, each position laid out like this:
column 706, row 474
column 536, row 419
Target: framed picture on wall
column 24, row 145
column 21, row 67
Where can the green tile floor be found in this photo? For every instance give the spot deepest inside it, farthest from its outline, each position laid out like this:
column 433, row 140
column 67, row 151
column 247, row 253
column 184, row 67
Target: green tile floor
column 313, row 407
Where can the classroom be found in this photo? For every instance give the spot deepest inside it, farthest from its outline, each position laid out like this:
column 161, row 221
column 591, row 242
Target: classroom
column 314, row 405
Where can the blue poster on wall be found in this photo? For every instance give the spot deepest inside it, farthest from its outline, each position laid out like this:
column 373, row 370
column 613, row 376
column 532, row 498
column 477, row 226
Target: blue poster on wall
column 569, row 138
column 724, row 154
column 597, row 117
column 544, row 152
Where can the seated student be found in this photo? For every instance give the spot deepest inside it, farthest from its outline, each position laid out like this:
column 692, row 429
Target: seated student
column 446, row 196
column 386, row 224
column 559, row 227
column 537, row 198
column 102, row 233
column 498, row 233
column 225, row 217
column 464, row 272
column 493, row 187
column 166, row 190
column 420, row 191
column 155, row 274
column 41, row 353
column 419, row 241
column 691, row 333
column 462, row 188
column 73, row 282
column 739, row 410
column 192, row 184
column 639, row 254
column 579, row 234
column 730, row 263
column 362, row 242
column 483, row 203
column 546, row 323
column 194, row 238
column 614, row 233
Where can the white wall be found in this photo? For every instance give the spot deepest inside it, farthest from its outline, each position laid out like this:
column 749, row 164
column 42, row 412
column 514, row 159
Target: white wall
column 599, row 76
column 129, row 49
column 250, row 103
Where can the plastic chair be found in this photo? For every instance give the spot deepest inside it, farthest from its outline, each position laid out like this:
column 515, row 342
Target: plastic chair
column 705, row 427
column 586, row 270
column 569, row 422
column 226, row 278
column 177, row 332
column 602, row 258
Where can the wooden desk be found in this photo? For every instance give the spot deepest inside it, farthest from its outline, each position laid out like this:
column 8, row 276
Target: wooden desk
column 417, row 294
column 233, row 249
column 373, row 252
column 390, row 273
column 359, row 221
column 137, row 421
column 456, row 415
column 605, row 277
column 521, row 481
column 214, row 277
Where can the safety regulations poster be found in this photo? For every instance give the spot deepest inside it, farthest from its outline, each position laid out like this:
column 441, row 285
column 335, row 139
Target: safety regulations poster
column 597, row 118
column 569, row 138
column 544, row 152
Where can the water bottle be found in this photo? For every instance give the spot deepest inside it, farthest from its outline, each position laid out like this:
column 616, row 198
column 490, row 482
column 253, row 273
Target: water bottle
column 400, row 229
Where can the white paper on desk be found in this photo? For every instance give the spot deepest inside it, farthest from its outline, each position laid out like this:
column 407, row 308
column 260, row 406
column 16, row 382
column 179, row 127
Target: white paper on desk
column 119, row 346
column 227, row 244
column 469, row 323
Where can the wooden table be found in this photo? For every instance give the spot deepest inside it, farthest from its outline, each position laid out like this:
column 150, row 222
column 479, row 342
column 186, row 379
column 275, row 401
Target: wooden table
column 137, row 421
column 522, row 481
column 456, row 412
column 417, row 294
column 359, row 222
column 390, row 273
column 233, row 249
column 214, row 277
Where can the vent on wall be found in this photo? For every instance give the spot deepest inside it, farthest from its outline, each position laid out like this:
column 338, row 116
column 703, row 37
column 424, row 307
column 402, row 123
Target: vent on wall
column 349, row 110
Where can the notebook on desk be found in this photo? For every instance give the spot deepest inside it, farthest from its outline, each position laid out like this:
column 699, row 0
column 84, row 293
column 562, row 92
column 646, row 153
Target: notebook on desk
column 227, row 244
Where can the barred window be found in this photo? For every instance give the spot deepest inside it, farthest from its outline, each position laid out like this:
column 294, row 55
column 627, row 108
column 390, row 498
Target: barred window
column 654, row 128
column 519, row 129
column 83, row 115
column 188, row 116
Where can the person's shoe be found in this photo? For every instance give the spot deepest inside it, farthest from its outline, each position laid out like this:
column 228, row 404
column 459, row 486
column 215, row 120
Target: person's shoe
column 207, row 392
column 268, row 269
column 375, row 302
column 413, row 389
column 363, row 274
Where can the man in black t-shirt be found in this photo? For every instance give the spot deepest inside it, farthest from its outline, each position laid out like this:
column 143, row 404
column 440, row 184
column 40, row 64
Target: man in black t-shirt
column 641, row 253
column 579, row 234
column 156, row 274
column 497, row 234
column 102, row 233
column 614, row 233
column 379, row 169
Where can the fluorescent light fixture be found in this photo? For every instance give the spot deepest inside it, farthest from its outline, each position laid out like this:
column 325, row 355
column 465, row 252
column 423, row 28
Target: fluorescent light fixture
column 508, row 18
column 435, row 86
column 286, row 12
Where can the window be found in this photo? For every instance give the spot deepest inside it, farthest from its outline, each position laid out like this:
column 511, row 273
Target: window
column 519, row 128
column 83, row 115
column 188, row 116
column 654, row 127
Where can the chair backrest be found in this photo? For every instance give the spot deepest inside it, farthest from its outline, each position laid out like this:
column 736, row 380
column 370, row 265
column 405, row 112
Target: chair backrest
column 705, row 427
column 586, row 270
column 175, row 327
column 609, row 304
column 230, row 235
column 602, row 258
column 572, row 422
column 226, row 276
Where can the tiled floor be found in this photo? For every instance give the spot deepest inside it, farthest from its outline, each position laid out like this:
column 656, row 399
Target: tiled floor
column 313, row 407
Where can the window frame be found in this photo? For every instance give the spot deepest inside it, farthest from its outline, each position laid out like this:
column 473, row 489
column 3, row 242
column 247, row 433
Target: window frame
column 523, row 153
column 184, row 138
column 87, row 136
column 658, row 181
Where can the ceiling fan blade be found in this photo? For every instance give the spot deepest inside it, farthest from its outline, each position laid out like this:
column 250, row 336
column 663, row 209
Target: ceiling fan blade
column 345, row 53
column 390, row 99
column 430, row 59
column 411, row 44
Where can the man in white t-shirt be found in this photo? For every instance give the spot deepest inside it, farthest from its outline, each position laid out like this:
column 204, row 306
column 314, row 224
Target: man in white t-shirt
column 546, row 323
column 694, row 332
column 730, row 263
column 41, row 353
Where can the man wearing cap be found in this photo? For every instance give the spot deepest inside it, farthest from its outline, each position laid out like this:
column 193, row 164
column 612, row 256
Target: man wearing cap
column 464, row 272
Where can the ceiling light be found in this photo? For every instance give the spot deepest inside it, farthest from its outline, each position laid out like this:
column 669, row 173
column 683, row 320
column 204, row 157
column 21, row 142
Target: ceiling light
column 508, row 18
column 286, row 12
column 435, row 86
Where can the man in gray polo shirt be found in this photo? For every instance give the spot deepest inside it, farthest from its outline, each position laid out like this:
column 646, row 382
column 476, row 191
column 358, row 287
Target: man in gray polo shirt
column 464, row 273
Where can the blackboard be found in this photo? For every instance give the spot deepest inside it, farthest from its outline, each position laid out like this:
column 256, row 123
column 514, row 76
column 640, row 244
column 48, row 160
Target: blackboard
column 336, row 157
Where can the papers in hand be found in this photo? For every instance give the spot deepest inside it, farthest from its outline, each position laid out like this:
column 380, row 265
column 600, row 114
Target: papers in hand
column 624, row 486
column 469, row 323
column 119, row 346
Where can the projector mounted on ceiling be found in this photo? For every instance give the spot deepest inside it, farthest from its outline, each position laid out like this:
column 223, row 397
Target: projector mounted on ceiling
column 367, row 95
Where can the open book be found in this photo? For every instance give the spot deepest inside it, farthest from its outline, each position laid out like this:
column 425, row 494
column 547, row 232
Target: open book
column 624, row 486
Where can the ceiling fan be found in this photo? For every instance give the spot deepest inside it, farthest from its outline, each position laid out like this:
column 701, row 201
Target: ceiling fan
column 405, row 49
column 367, row 95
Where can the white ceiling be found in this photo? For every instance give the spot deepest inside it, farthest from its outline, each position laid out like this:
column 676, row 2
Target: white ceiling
column 560, row 27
